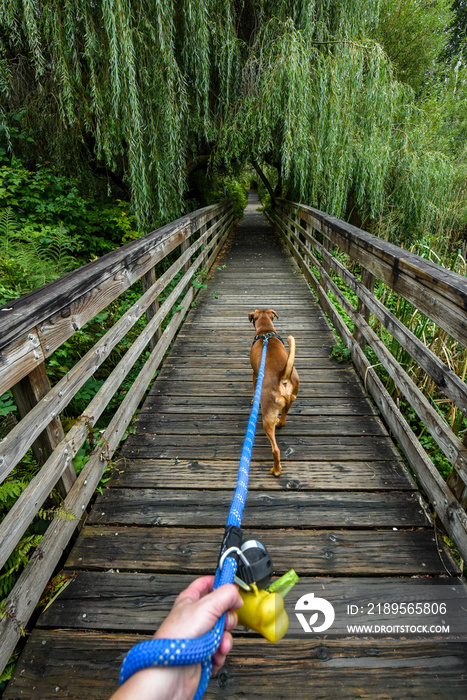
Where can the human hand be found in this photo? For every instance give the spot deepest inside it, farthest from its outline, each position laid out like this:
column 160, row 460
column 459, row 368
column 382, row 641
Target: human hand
column 195, row 612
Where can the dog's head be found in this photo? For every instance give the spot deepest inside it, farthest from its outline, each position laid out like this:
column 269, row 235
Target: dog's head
column 261, row 319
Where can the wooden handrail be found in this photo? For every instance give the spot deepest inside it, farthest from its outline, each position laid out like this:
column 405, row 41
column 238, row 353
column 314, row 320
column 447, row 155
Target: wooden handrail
column 439, row 293
column 36, row 324
column 33, row 327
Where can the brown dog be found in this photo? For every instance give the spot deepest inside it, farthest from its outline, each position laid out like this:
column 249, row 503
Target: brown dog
column 280, row 383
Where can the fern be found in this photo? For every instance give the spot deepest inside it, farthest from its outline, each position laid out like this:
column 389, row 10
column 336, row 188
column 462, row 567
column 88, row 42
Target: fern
column 61, row 513
column 9, row 492
column 18, row 559
column 30, row 258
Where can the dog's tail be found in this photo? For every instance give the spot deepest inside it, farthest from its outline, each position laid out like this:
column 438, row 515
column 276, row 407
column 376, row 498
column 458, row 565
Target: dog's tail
column 290, row 359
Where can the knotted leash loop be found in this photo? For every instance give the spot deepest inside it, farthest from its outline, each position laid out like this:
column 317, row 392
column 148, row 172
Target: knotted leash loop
column 185, row 652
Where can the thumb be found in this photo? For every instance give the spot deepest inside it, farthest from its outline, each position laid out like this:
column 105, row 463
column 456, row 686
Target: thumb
column 213, row 605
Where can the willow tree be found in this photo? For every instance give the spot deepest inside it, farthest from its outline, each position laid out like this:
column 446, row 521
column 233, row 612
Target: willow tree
column 150, row 89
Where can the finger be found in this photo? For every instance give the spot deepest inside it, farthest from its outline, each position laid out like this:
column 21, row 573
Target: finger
column 231, row 620
column 206, row 611
column 225, row 647
column 213, row 605
column 197, row 589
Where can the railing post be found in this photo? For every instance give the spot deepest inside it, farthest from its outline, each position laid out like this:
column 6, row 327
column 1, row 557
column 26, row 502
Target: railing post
column 26, row 394
column 202, row 230
column 184, row 246
column 327, row 244
column 457, row 484
column 307, row 244
column 368, row 280
column 147, row 280
column 288, row 228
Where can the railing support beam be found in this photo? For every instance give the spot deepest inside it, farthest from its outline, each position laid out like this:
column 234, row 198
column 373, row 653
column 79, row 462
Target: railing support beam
column 368, row 281
column 26, row 394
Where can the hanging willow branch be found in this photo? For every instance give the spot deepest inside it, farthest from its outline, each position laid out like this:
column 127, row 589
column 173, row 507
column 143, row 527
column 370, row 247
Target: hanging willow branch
column 145, row 87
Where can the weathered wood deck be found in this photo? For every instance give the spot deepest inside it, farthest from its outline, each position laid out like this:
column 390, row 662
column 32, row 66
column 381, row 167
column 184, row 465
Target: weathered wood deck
column 344, row 508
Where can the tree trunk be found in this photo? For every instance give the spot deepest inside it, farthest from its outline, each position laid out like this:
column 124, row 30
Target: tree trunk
column 266, row 182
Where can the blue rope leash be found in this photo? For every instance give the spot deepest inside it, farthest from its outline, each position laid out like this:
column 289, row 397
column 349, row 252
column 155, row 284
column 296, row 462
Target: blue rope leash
column 185, row 652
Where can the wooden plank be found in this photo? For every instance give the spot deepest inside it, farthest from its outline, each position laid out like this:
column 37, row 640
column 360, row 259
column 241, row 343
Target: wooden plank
column 188, row 348
column 242, row 338
column 129, row 602
column 368, row 280
column 218, row 447
column 219, row 315
column 245, row 336
column 265, row 509
column 211, row 327
column 309, row 552
column 63, row 664
column 309, row 475
column 19, row 358
column 213, row 424
column 308, row 391
column 236, row 304
column 238, row 405
column 307, row 376
column 147, row 281
column 199, row 362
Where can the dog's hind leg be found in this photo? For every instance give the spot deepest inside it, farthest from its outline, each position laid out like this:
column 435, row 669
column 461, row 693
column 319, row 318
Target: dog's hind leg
column 285, row 410
column 269, row 425
column 289, row 394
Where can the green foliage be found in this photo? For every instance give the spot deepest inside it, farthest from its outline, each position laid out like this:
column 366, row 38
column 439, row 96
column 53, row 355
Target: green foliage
column 228, row 187
column 340, row 352
column 7, row 672
column 30, row 259
column 199, row 285
column 48, row 228
column 7, row 405
column 457, row 43
column 9, row 492
column 413, row 34
column 213, row 187
column 331, row 95
column 43, row 199
column 16, row 562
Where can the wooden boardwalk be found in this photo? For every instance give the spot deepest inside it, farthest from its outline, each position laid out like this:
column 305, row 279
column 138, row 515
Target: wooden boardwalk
column 345, row 511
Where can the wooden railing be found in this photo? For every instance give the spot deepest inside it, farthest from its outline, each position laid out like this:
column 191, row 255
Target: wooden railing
column 31, row 330
column 316, row 240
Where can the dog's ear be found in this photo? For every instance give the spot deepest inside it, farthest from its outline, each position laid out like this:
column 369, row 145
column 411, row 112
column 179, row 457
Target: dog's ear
column 273, row 313
column 252, row 315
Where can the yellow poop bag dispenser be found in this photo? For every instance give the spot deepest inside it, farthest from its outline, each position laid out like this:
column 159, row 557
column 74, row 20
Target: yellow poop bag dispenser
column 263, row 605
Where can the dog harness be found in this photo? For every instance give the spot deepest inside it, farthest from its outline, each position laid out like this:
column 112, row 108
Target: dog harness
column 265, row 337
column 185, row 652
